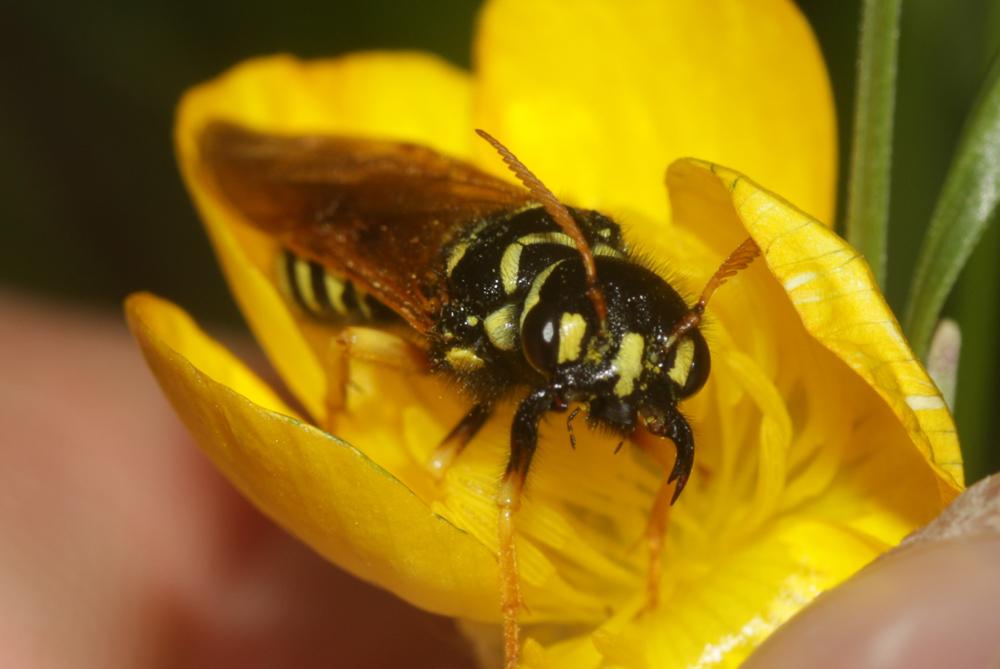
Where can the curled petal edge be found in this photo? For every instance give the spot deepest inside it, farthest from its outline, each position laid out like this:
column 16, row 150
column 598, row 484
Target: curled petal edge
column 834, row 293
column 325, row 491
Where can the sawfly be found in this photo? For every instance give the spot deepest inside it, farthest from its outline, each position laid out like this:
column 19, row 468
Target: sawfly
column 501, row 287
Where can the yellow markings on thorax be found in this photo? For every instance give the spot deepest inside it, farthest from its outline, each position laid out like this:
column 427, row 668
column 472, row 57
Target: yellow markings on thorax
column 501, row 327
column 682, row 361
column 463, row 360
column 510, row 262
column 531, row 299
column 628, row 363
column 510, row 265
column 608, row 251
column 572, row 328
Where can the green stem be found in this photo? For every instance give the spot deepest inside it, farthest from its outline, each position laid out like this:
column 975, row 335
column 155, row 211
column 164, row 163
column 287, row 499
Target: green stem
column 871, row 151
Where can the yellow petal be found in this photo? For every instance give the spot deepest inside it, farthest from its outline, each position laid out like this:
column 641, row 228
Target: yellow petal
column 811, row 460
column 157, row 322
column 597, row 98
column 331, row 495
column 806, row 449
column 832, row 291
column 738, row 600
column 410, row 97
column 325, row 491
column 827, row 470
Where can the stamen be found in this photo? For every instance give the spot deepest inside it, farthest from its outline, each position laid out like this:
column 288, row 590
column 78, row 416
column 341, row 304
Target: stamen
column 762, row 483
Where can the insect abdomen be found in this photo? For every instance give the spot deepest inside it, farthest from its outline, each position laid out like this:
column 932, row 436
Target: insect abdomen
column 323, row 294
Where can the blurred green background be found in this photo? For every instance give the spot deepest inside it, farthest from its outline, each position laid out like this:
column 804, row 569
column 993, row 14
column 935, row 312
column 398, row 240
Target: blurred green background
column 93, row 207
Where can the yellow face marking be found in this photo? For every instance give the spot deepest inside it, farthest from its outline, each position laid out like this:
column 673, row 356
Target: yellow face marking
column 463, row 360
column 335, row 291
column 572, row 328
column 472, row 321
column 628, row 363
column 536, row 288
column 303, row 279
column 455, row 257
column 500, row 328
column 682, row 361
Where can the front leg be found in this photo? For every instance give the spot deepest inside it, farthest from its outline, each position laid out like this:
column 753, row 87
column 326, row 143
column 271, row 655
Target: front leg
column 459, row 437
column 523, row 441
column 676, row 428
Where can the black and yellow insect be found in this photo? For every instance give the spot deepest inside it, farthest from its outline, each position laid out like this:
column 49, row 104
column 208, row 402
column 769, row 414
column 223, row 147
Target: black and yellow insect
column 499, row 287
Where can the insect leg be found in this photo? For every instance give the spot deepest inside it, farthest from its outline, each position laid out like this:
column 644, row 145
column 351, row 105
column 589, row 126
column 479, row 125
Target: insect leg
column 368, row 345
column 569, row 426
column 680, row 433
column 677, row 429
column 523, row 441
column 459, row 437
column 382, row 348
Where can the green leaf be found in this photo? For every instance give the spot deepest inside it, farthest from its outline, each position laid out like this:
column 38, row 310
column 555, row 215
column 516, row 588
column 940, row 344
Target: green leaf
column 871, row 147
column 967, row 203
column 977, row 306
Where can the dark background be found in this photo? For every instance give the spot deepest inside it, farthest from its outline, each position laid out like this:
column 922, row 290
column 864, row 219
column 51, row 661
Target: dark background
column 92, row 207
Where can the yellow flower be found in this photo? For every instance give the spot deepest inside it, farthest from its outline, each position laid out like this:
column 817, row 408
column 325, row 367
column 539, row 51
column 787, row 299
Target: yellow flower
column 821, row 441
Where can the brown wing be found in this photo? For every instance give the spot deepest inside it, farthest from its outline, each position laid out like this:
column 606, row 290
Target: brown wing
column 378, row 212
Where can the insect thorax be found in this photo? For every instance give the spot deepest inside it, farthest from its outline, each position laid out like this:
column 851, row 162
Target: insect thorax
column 517, row 312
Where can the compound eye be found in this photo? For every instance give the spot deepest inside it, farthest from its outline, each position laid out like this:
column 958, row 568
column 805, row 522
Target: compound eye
column 540, row 340
column 552, row 337
column 691, row 364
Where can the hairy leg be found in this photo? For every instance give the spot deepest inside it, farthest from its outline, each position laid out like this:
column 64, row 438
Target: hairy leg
column 523, row 441
column 459, row 437
column 367, row 345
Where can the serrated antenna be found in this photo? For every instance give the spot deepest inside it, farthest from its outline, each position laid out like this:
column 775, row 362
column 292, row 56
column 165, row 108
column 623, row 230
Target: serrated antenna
column 737, row 261
column 560, row 214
